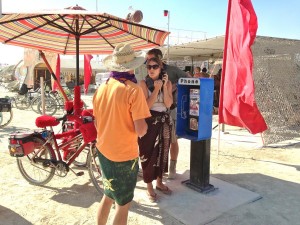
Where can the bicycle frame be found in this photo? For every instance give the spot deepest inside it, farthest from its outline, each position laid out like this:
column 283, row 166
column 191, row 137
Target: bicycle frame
column 65, row 146
column 42, row 154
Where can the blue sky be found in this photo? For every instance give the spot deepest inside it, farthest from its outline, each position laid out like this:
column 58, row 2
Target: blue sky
column 190, row 20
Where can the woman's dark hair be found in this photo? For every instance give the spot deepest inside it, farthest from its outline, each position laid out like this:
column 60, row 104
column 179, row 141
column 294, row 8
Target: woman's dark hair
column 148, row 79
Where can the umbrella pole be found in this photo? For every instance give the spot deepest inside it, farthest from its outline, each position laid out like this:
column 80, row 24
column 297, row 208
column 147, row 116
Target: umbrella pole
column 77, row 108
column 53, row 76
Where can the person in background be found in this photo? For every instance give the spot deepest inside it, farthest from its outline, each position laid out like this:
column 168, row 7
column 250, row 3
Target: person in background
column 197, row 72
column 154, row 146
column 174, row 73
column 204, row 73
column 217, row 85
column 189, row 74
column 120, row 109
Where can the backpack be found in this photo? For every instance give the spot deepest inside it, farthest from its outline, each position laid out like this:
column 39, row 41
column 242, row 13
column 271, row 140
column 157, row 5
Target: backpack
column 23, row 90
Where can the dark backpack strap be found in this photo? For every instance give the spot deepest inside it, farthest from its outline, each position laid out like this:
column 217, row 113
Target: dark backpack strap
column 149, row 83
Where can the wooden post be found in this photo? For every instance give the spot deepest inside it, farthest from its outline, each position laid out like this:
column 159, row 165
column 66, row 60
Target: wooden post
column 42, row 94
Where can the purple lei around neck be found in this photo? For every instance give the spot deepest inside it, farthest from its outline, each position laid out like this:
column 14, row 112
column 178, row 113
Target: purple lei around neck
column 122, row 76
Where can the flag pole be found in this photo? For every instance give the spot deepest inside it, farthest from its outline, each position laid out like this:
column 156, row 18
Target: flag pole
column 224, row 64
column 0, row 8
column 169, row 37
column 167, row 13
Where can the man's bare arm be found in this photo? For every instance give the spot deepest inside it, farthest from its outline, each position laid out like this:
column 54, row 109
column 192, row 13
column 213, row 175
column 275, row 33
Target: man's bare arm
column 140, row 127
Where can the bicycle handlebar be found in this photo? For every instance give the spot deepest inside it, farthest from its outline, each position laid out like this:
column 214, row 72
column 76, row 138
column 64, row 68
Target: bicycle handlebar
column 64, row 118
column 77, row 119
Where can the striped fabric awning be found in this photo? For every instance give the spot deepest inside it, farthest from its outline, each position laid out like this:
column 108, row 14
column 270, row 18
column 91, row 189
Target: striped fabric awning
column 61, row 31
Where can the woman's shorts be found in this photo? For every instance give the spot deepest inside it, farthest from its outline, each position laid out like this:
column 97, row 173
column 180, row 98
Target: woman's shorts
column 119, row 179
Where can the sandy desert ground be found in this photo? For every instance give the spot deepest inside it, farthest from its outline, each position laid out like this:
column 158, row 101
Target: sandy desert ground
column 272, row 172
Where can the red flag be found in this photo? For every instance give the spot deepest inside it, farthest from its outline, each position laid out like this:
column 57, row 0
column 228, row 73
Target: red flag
column 57, row 73
column 166, row 12
column 87, row 72
column 237, row 104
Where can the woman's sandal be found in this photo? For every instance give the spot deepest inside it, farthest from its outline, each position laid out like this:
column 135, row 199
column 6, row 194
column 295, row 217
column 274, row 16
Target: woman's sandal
column 166, row 190
column 152, row 198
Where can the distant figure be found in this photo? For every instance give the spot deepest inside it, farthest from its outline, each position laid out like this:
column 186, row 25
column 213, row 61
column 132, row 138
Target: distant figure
column 189, row 74
column 217, row 84
column 204, row 73
column 197, row 72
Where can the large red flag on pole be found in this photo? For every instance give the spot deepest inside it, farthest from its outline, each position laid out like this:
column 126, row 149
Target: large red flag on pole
column 237, row 104
column 57, row 73
column 87, row 72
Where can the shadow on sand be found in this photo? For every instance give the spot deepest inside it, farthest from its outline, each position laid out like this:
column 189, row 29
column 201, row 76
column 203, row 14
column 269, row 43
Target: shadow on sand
column 8, row 216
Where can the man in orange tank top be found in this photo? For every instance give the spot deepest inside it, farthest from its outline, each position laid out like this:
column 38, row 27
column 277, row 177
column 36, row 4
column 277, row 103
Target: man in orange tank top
column 120, row 109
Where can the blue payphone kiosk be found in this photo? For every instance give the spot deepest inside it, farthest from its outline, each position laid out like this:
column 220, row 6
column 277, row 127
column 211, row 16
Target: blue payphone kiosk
column 194, row 122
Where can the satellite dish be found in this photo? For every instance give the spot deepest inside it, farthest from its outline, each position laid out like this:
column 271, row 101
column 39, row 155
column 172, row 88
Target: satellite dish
column 136, row 16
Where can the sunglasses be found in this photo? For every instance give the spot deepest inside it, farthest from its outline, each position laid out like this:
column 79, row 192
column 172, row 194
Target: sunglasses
column 155, row 67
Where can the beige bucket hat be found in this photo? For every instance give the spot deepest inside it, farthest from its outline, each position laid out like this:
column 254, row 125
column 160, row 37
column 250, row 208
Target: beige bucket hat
column 124, row 59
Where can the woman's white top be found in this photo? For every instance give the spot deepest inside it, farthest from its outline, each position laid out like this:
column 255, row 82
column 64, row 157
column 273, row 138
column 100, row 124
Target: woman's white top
column 159, row 105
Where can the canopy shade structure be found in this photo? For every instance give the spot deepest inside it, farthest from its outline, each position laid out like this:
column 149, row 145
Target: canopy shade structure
column 199, row 50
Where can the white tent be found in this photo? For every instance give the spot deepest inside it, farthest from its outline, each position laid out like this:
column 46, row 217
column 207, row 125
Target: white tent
column 199, row 50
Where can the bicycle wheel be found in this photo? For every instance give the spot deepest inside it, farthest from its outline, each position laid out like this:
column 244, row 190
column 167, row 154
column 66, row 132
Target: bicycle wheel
column 94, row 169
column 22, row 102
column 5, row 118
column 35, row 168
column 50, row 106
column 34, row 104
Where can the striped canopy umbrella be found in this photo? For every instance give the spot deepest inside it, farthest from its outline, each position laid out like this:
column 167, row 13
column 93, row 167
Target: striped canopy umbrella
column 58, row 31
column 75, row 31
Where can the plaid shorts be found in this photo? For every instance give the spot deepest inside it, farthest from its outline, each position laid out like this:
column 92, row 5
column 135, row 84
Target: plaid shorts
column 119, row 179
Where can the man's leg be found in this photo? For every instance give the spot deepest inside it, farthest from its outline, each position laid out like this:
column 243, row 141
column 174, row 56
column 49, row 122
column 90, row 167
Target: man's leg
column 174, row 151
column 121, row 215
column 104, row 210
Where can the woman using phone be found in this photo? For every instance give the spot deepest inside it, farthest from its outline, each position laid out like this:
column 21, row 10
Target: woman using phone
column 154, row 146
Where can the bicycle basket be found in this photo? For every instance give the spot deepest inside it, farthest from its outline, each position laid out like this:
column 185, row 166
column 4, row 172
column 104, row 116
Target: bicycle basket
column 5, row 105
column 21, row 144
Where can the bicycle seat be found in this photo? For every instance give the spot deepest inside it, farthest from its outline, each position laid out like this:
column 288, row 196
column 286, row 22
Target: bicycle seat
column 46, row 121
column 87, row 112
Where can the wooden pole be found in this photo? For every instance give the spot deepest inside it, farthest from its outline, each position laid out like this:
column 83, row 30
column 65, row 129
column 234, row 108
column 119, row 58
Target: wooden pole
column 42, row 94
column 53, row 76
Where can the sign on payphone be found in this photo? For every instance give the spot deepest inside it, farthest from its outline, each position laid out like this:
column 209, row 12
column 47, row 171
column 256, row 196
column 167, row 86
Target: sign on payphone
column 194, row 108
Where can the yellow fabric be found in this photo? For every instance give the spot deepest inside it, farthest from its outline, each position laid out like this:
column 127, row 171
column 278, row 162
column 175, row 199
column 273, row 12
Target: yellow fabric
column 115, row 107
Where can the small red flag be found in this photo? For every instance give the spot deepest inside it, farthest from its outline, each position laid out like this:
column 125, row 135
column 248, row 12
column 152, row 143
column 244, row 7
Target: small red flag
column 237, row 104
column 87, row 72
column 57, row 73
column 166, row 12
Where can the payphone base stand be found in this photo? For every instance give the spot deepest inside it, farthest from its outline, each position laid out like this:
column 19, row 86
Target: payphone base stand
column 203, row 190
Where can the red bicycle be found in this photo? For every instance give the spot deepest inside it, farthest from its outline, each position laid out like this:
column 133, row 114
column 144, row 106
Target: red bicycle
column 41, row 154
